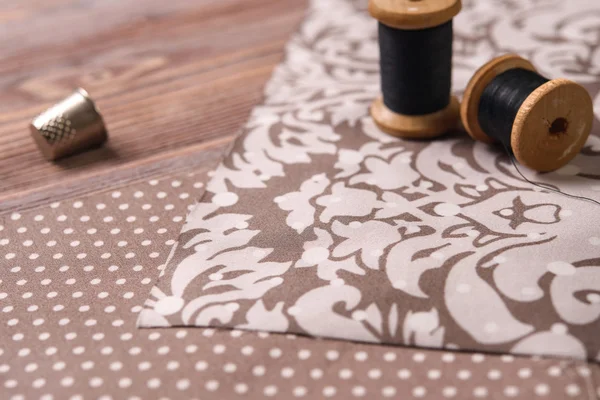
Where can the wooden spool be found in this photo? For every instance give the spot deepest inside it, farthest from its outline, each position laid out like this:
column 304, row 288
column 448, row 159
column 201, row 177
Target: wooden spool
column 414, row 15
column 552, row 125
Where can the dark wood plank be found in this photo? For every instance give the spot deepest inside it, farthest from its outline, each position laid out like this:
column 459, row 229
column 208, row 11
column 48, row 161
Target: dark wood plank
column 172, row 79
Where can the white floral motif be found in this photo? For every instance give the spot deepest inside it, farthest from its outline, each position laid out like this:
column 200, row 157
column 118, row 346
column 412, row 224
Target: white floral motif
column 350, row 233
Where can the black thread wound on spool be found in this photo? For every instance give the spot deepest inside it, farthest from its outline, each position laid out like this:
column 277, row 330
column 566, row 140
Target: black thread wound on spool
column 416, row 68
column 501, row 100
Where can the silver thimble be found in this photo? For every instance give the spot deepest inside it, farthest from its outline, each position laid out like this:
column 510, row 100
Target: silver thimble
column 69, row 127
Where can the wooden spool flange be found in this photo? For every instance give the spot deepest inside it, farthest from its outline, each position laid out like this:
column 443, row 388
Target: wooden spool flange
column 414, row 15
column 552, row 124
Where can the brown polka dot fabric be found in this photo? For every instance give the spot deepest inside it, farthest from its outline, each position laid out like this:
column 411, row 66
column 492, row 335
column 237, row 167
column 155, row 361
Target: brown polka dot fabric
column 74, row 276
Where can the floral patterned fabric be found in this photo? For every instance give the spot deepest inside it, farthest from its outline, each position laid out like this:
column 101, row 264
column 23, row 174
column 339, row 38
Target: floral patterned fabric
column 317, row 223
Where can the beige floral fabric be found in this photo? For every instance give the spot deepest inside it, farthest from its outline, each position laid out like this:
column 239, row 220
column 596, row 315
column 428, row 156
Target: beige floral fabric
column 317, row 223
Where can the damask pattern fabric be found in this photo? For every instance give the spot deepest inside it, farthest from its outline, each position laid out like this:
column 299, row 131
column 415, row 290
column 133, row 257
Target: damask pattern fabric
column 317, row 223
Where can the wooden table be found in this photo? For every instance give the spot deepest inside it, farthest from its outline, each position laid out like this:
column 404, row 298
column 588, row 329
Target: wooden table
column 174, row 81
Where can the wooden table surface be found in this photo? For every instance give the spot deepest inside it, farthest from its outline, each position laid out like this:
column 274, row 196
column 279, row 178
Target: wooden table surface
column 174, row 81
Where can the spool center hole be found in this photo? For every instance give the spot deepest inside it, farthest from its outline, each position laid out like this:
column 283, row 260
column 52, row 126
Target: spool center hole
column 559, row 126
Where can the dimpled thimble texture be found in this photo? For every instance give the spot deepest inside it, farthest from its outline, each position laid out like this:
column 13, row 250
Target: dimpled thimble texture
column 70, row 126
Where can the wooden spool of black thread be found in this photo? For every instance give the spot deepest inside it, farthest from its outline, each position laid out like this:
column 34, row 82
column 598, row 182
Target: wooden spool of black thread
column 545, row 123
column 415, row 41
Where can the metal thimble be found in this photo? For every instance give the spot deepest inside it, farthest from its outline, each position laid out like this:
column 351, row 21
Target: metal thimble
column 69, row 127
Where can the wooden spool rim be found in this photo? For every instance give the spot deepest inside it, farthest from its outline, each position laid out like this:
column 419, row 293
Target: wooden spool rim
column 552, row 125
column 415, row 126
column 469, row 108
column 532, row 142
column 414, row 14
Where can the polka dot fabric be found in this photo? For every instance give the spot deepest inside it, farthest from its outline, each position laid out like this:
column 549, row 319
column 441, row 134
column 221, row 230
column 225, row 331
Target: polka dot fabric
column 74, row 276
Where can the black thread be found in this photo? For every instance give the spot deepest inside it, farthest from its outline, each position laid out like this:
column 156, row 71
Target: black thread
column 543, row 185
column 416, row 68
column 501, row 100
column 498, row 107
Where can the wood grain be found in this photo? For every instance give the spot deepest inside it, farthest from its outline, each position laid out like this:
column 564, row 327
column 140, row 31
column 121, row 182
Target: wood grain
column 414, row 14
column 174, row 81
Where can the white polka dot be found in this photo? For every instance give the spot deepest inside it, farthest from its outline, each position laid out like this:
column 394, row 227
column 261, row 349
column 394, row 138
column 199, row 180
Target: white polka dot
column 480, row 392
column 215, row 277
column 404, row 374
column 572, row 390
column 329, row 391
column 449, row 391
column 584, row 371
column 494, row 374
column 316, row 373
column 275, row 352
column 300, row 391
column 225, row 199
column 58, row 366
column 359, row 315
column 446, row 209
column 229, row 368
column 524, row 373
column 247, row 350
column 153, row 383
column 11, row 383
column 270, row 390
column 434, row 374
column 345, row 373
column 240, row 388
column 561, row 268
column 219, row 349
column 125, row 382
column 315, row 255
column 374, row 373
column 463, row 374
column 38, row 383
column 554, row 371
column 542, row 389
column 419, row 391
column 304, row 354
column 332, row 355
column 358, row 391
column 258, row 370
column 287, row 372
column 511, row 391
column 208, row 332
column 67, row 381
column 376, row 253
column 96, row 382
column 360, row 356
column 24, row 352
